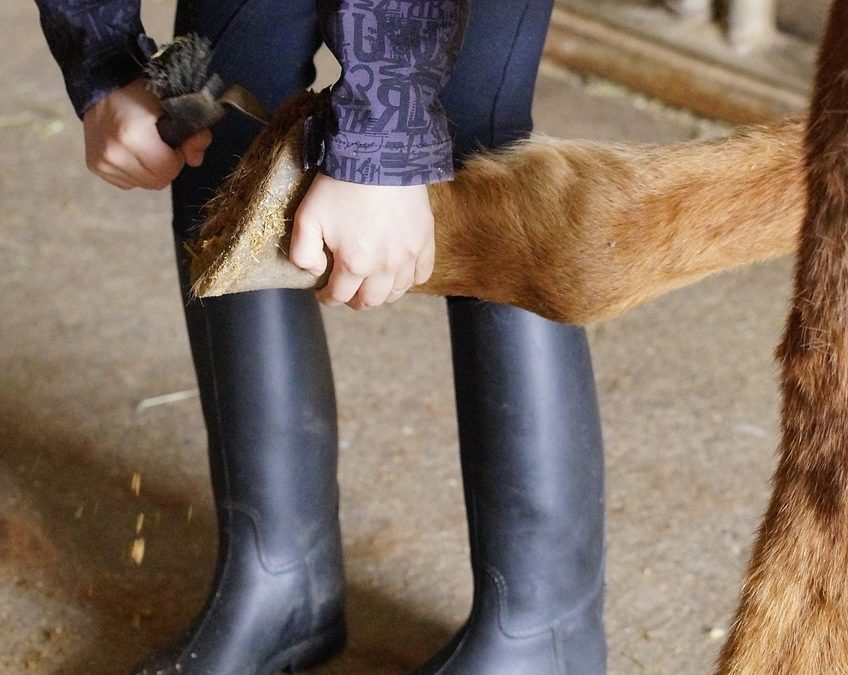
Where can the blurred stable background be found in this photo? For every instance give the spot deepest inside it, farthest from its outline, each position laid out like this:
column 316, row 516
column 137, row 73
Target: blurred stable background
column 101, row 439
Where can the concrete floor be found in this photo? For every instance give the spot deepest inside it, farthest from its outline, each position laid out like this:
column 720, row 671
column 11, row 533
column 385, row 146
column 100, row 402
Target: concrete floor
column 92, row 327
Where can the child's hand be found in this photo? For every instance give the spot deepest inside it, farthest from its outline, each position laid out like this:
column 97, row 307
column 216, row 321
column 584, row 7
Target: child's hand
column 381, row 238
column 123, row 147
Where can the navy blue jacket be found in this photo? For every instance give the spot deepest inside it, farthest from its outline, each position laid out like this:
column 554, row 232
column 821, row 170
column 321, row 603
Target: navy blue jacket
column 396, row 57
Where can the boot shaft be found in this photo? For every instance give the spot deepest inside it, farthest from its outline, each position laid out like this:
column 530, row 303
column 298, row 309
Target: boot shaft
column 532, row 462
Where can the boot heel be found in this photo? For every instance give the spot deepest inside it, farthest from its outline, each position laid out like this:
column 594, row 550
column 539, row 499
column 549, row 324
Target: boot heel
column 312, row 652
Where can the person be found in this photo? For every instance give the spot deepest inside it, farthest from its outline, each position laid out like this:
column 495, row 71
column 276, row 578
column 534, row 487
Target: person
column 425, row 83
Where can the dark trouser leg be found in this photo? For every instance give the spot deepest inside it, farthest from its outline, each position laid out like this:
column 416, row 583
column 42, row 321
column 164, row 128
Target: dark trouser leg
column 268, row 401
column 530, row 440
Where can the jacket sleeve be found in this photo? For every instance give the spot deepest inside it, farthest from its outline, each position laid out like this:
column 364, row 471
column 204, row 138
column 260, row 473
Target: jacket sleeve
column 95, row 43
column 396, row 56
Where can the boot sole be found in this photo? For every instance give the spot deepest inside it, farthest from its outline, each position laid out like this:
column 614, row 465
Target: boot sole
column 309, row 653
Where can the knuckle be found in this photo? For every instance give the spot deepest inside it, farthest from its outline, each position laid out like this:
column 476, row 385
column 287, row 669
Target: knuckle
column 297, row 256
column 423, row 273
column 126, row 136
column 134, row 136
column 302, row 254
column 397, row 261
column 368, row 300
column 337, row 295
column 301, row 260
column 111, row 154
column 167, row 171
column 326, row 296
column 358, row 266
column 302, row 223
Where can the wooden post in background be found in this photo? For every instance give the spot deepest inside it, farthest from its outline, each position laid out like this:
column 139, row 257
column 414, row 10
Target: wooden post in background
column 751, row 24
column 732, row 64
column 691, row 9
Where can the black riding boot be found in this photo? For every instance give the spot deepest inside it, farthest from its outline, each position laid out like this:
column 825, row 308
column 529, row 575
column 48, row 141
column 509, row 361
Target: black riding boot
column 532, row 467
column 267, row 392
column 266, row 387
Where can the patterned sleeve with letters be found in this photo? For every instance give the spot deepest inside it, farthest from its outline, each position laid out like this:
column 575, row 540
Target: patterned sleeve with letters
column 396, row 56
